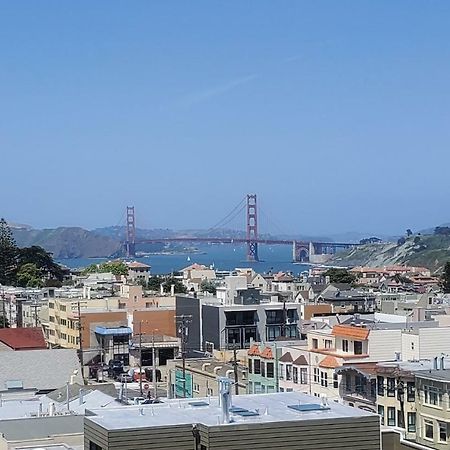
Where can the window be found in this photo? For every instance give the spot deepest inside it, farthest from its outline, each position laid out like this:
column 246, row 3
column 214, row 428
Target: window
column 358, row 347
column 381, row 413
column 442, row 431
column 411, row 422
column 323, row 379
column 316, row 375
column 380, row 386
column 93, row 446
column 328, row 343
column 410, row 391
column 391, row 387
column 63, row 336
column 196, row 388
column 345, row 345
column 288, row 372
column 295, row 375
column 432, row 396
column 270, row 370
column 250, row 365
column 303, row 375
column 62, row 307
column 400, row 419
column 348, row 382
column 391, row 416
column 315, row 343
column 257, row 366
column 63, row 322
column 428, row 427
column 51, row 318
column 335, row 381
column 281, row 371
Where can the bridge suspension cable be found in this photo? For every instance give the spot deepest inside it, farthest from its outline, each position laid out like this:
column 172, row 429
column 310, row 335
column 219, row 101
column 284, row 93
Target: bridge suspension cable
column 230, row 216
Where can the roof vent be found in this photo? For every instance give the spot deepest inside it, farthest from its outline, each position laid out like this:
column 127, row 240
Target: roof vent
column 307, row 407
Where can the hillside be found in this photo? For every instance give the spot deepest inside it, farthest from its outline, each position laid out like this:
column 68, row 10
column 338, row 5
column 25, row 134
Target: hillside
column 67, row 242
column 431, row 251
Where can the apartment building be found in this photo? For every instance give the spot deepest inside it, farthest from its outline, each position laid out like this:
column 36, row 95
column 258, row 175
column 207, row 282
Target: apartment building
column 283, row 420
column 217, row 326
column 200, row 377
column 433, row 408
column 63, row 319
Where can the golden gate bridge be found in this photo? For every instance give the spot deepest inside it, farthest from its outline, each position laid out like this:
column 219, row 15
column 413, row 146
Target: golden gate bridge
column 302, row 251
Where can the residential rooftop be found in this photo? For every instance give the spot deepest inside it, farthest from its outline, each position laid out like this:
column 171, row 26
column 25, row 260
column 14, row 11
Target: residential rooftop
column 436, row 375
column 248, row 409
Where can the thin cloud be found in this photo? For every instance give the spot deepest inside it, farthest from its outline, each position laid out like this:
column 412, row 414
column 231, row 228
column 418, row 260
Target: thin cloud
column 205, row 95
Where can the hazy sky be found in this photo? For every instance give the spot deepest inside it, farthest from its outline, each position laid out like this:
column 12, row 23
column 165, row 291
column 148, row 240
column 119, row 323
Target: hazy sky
column 336, row 113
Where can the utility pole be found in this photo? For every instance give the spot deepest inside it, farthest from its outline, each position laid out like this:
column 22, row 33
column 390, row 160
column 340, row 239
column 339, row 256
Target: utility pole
column 155, row 382
column 35, row 307
column 183, row 331
column 235, row 368
column 140, row 357
column 80, row 340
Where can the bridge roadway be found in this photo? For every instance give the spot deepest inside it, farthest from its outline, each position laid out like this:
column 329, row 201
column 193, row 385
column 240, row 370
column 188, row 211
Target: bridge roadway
column 214, row 240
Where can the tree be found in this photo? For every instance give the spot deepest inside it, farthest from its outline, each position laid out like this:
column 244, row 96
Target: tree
column 445, row 279
column 179, row 287
column 43, row 260
column 154, row 283
column 4, row 323
column 114, row 267
column 208, row 286
column 340, row 276
column 8, row 254
column 409, row 232
column 29, row 276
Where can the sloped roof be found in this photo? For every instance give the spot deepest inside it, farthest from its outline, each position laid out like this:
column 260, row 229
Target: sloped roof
column 329, row 362
column 351, row 332
column 301, row 361
column 287, row 357
column 39, row 369
column 254, row 351
column 138, row 265
column 23, row 338
column 267, row 353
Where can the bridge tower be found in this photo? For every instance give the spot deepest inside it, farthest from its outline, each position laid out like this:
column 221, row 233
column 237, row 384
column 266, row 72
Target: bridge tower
column 252, row 228
column 130, row 243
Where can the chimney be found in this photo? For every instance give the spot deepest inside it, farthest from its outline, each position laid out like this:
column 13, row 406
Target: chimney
column 225, row 398
column 51, row 409
column 435, row 363
column 442, row 362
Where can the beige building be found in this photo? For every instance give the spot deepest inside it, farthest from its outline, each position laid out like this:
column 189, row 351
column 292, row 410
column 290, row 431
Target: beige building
column 62, row 328
column 433, row 408
column 138, row 272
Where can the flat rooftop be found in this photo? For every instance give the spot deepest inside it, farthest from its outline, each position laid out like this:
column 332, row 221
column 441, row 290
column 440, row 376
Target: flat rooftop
column 249, row 409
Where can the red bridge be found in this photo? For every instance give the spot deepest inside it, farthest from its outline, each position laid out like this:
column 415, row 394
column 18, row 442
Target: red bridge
column 302, row 251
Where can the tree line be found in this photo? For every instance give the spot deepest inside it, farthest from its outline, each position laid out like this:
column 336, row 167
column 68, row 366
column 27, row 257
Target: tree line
column 28, row 266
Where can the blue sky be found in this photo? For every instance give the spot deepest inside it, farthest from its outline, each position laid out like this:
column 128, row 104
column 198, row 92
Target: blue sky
column 336, row 113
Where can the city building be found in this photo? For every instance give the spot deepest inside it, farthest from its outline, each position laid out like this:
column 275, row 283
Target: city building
column 200, row 376
column 22, row 339
column 138, row 272
column 283, row 420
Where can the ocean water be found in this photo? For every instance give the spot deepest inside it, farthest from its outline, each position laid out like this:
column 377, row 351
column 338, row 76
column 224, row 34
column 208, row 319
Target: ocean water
column 223, row 257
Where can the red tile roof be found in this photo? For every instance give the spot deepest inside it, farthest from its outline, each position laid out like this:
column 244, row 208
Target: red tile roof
column 253, row 351
column 350, row 331
column 267, row 353
column 23, row 338
column 329, row 362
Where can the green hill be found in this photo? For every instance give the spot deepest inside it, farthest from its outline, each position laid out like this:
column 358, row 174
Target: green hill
column 431, row 251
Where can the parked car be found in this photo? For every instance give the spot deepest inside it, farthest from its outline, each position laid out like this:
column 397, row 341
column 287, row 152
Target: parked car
column 124, row 378
column 115, row 368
